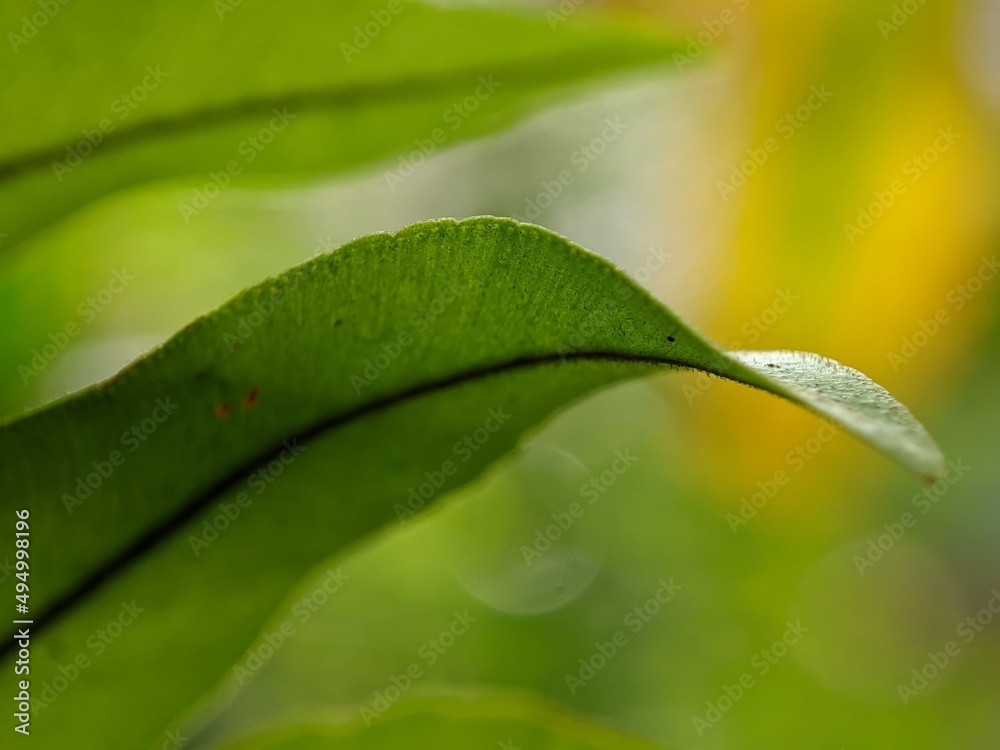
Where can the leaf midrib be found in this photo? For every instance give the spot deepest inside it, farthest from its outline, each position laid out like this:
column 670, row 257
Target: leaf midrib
column 164, row 530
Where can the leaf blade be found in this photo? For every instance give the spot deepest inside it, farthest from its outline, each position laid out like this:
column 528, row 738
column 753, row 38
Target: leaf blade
column 485, row 718
column 442, row 322
column 117, row 102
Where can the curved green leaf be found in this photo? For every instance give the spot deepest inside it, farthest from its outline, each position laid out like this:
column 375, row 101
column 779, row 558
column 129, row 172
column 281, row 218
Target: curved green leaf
column 485, row 719
column 206, row 479
column 108, row 98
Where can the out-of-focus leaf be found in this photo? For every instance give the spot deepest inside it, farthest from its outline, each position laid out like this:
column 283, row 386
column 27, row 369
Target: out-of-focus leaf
column 203, row 481
column 108, row 95
column 474, row 719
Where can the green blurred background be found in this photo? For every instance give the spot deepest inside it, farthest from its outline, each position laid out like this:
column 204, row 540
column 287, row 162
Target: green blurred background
column 765, row 263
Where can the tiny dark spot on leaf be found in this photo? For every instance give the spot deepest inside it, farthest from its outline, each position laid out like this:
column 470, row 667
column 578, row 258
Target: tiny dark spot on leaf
column 671, row 339
column 251, row 398
column 222, row 410
column 771, row 364
column 336, row 323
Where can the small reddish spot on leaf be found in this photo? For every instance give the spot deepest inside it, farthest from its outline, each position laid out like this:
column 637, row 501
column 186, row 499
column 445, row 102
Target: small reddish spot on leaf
column 222, row 410
column 251, row 398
